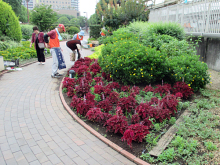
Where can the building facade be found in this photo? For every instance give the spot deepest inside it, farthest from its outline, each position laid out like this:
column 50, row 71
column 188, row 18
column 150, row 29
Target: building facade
column 70, row 7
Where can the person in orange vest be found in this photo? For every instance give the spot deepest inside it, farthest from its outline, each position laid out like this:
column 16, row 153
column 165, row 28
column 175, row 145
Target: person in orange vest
column 72, row 44
column 55, row 50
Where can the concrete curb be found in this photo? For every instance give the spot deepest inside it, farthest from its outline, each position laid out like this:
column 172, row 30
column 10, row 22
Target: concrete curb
column 98, row 135
column 5, row 71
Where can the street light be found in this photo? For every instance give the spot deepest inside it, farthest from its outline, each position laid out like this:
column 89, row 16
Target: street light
column 86, row 22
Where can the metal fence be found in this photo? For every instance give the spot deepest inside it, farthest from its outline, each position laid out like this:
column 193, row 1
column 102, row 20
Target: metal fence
column 199, row 16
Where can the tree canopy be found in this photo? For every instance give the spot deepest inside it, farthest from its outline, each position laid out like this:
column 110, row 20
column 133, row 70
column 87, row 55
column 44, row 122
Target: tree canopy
column 43, row 16
column 63, row 20
column 118, row 13
column 23, row 15
column 16, row 5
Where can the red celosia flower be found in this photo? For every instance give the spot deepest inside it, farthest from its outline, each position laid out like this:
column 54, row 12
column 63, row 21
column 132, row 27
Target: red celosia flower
column 117, row 124
column 95, row 68
column 95, row 115
column 105, row 105
column 83, row 106
column 136, row 132
column 179, row 95
column 127, row 104
column 135, row 90
column 114, row 97
column 99, row 89
column 148, row 88
column 98, row 79
column 125, row 88
column 135, row 118
column 183, row 88
column 163, row 89
column 147, row 122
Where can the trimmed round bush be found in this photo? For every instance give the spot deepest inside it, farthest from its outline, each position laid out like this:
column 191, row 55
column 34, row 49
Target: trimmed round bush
column 169, row 28
column 72, row 30
column 9, row 23
column 130, row 62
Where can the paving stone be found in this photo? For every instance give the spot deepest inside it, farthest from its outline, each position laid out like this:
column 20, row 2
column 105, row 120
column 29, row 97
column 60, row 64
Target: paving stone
column 47, row 151
column 54, row 159
column 92, row 161
column 21, row 141
column 15, row 147
column 11, row 161
column 42, row 157
column 36, row 149
column 25, row 149
column 2, row 161
column 30, row 157
column 83, row 154
column 5, row 147
column 36, row 162
column 66, row 160
column 31, row 142
column 59, row 152
column 71, row 153
column 79, row 160
column 7, row 154
column 47, row 163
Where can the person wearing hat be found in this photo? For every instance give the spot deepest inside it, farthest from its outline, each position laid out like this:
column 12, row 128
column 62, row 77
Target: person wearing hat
column 55, row 50
column 38, row 40
column 75, row 44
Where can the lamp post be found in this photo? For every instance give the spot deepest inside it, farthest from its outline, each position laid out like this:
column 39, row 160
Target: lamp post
column 27, row 9
column 86, row 22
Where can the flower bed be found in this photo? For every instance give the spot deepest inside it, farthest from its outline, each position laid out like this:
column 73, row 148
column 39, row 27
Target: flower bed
column 126, row 111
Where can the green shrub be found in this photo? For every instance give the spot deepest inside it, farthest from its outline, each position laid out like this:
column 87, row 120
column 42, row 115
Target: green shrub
column 97, row 53
column 169, row 28
column 66, row 36
column 95, row 31
column 8, row 44
column 119, row 35
column 72, row 30
column 21, row 52
column 130, row 62
column 9, row 25
column 27, row 31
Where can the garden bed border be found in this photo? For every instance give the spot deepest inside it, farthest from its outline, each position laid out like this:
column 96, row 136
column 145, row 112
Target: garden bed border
column 98, row 135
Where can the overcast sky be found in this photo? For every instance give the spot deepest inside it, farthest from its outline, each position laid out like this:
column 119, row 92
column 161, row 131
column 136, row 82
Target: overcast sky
column 89, row 6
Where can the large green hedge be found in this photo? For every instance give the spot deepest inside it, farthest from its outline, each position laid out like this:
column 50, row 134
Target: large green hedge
column 95, row 31
column 132, row 57
column 9, row 23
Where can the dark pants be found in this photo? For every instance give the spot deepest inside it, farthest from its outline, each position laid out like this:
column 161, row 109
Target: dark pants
column 72, row 45
column 40, row 54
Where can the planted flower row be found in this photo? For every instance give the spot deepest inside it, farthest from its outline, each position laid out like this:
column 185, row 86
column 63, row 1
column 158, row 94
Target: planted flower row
column 123, row 109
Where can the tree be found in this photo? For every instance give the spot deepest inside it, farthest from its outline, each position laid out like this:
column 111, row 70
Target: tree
column 9, row 25
column 43, row 16
column 82, row 21
column 94, row 19
column 118, row 13
column 16, row 5
column 63, row 20
column 65, row 15
column 23, row 16
column 74, row 22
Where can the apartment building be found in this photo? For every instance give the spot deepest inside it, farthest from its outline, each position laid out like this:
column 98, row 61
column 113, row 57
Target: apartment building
column 70, row 7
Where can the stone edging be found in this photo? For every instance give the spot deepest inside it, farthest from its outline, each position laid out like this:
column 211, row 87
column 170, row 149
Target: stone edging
column 5, row 71
column 98, row 135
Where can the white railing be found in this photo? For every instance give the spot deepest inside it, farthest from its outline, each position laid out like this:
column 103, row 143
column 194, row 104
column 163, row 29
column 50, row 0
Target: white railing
column 201, row 16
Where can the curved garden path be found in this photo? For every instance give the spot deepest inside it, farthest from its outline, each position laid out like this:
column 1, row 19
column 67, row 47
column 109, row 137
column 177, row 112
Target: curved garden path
column 35, row 128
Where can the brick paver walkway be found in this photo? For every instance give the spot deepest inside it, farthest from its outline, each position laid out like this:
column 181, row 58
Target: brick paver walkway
column 36, row 129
